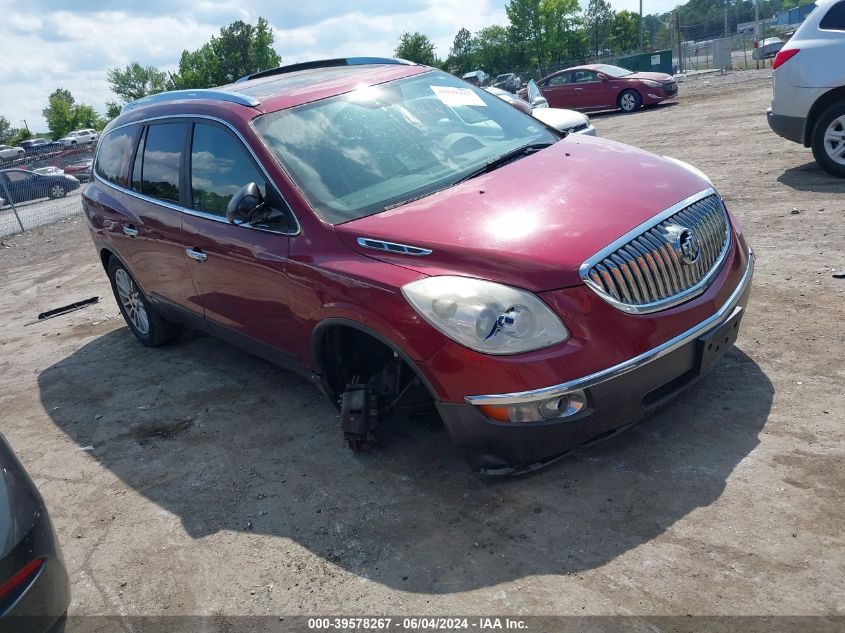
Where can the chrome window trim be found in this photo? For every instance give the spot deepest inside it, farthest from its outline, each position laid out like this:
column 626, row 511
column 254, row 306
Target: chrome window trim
column 669, row 302
column 194, row 212
column 728, row 310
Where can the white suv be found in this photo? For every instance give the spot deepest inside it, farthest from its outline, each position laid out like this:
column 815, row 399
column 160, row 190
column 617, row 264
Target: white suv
column 79, row 137
column 808, row 100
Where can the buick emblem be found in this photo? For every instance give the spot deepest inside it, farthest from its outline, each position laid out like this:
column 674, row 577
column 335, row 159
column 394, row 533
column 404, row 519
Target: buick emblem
column 688, row 246
column 685, row 243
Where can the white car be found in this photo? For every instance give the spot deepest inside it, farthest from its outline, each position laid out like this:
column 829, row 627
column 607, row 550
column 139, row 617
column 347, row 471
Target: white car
column 7, row 152
column 79, row 137
column 561, row 119
column 808, row 87
column 49, row 171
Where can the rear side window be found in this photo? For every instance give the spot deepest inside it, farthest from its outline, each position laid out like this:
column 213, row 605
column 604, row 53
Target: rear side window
column 220, row 165
column 114, row 155
column 834, row 20
column 162, row 163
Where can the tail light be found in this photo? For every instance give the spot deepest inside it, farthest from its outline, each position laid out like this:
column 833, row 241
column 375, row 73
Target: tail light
column 784, row 56
column 24, row 575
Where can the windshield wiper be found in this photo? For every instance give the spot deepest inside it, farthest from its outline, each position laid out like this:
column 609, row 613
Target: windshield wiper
column 504, row 159
column 490, row 165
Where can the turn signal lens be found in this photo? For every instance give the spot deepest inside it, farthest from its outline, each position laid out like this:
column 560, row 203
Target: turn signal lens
column 536, row 411
column 784, row 56
column 499, row 413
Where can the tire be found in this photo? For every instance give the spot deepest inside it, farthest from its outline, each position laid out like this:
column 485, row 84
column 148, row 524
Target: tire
column 57, row 191
column 828, row 140
column 630, row 101
column 148, row 326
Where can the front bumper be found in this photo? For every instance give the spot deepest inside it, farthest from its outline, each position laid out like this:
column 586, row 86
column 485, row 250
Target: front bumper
column 616, row 397
column 789, row 127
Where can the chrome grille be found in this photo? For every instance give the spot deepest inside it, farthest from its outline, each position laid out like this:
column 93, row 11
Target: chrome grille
column 652, row 268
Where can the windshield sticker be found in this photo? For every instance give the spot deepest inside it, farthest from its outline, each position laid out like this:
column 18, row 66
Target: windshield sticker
column 457, row 96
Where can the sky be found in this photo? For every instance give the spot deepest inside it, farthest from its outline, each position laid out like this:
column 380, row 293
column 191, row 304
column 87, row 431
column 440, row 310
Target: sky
column 47, row 44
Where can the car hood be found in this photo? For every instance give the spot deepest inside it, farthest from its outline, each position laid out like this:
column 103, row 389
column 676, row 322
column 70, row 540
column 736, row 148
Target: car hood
column 533, row 222
column 661, row 77
column 560, row 119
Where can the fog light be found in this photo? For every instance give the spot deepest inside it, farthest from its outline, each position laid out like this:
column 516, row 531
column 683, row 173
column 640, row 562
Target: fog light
column 564, row 406
column 551, row 409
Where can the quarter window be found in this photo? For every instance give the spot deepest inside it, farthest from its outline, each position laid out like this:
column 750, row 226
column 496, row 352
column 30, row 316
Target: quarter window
column 834, row 20
column 114, row 155
column 219, row 167
column 161, row 167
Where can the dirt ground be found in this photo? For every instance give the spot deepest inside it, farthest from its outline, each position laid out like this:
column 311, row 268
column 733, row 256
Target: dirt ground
column 196, row 479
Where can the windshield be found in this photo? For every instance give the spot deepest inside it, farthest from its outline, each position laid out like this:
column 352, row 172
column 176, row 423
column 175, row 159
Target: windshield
column 359, row 153
column 614, row 71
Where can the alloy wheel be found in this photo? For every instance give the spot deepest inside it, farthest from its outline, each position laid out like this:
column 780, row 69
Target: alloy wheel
column 628, row 102
column 133, row 304
column 57, row 191
column 834, row 140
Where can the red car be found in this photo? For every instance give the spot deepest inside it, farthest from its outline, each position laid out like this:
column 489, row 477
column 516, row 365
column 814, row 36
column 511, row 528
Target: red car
column 605, row 87
column 411, row 243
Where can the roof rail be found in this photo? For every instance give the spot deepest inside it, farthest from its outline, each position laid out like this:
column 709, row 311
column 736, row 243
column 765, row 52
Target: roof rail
column 325, row 63
column 180, row 95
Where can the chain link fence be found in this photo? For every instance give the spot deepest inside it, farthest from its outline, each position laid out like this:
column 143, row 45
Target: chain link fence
column 42, row 187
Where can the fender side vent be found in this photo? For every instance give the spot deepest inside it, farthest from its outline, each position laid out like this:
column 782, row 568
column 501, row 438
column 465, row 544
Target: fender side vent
column 392, row 247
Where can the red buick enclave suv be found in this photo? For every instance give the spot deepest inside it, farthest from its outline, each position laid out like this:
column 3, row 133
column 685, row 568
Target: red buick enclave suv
column 407, row 241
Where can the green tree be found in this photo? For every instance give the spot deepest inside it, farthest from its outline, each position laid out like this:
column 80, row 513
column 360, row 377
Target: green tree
column 6, row 130
column 460, row 55
column 526, row 32
column 625, row 32
column 135, row 81
column 63, row 114
column 492, row 50
column 240, row 49
column 59, row 113
column 561, row 24
column 598, row 19
column 416, row 47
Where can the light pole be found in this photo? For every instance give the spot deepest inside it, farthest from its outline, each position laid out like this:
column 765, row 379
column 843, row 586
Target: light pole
column 26, row 126
column 641, row 26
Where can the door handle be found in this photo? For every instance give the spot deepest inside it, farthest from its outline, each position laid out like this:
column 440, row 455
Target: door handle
column 130, row 230
column 577, row 89
column 196, row 254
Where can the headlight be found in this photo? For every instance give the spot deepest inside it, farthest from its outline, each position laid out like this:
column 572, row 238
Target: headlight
column 488, row 317
column 652, row 84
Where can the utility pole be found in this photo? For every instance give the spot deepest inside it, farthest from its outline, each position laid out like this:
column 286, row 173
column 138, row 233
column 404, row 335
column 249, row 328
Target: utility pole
column 680, row 41
column 641, row 26
column 26, row 126
column 727, row 4
column 756, row 33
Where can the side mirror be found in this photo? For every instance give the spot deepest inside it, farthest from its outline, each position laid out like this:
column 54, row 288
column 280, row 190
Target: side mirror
column 535, row 97
column 246, row 206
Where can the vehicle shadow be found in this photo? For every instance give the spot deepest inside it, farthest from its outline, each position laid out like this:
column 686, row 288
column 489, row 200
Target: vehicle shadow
column 811, row 177
column 606, row 114
column 226, row 441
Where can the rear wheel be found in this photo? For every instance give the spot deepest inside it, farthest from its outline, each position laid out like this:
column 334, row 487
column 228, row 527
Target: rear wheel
column 57, row 191
column 829, row 140
column 630, row 100
column 148, row 326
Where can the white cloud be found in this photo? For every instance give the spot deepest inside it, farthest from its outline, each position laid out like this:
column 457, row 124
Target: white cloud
column 43, row 49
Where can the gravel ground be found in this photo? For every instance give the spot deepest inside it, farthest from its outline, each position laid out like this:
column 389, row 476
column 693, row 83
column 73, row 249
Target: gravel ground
column 196, row 479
